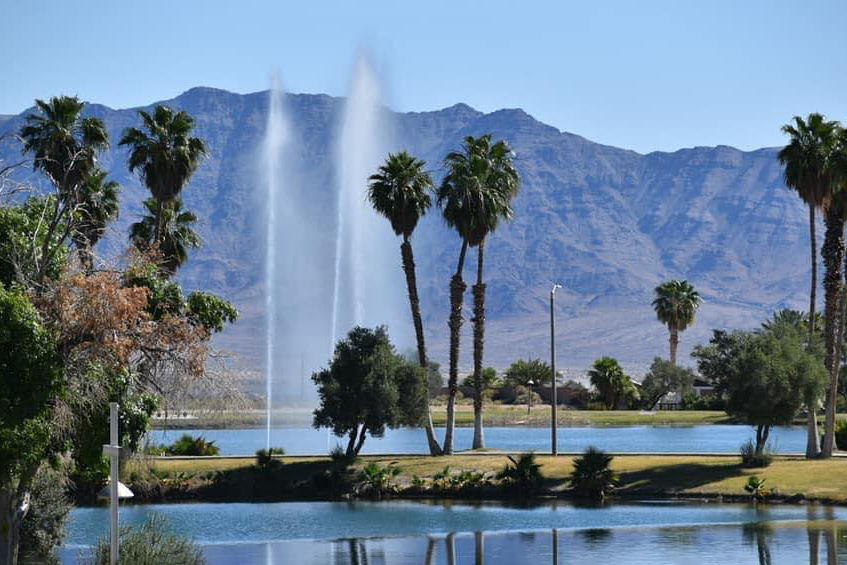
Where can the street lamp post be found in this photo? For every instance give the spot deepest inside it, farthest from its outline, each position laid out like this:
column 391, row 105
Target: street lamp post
column 115, row 490
column 554, row 401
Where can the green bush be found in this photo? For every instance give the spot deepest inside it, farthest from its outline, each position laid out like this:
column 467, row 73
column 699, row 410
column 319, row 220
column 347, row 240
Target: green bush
column 749, row 457
column 337, row 478
column 43, row 528
column 266, row 458
column 841, row 435
column 193, row 446
column 151, row 544
column 592, row 475
column 755, row 487
column 522, row 476
column 376, row 480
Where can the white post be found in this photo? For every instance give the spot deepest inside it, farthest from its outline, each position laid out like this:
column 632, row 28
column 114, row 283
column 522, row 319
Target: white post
column 113, row 457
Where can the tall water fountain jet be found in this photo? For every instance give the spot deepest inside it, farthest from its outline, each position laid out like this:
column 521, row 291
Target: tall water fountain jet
column 368, row 285
column 274, row 140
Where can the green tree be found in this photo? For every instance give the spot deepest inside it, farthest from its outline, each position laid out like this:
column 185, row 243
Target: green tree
column 806, row 161
column 474, row 197
column 31, row 381
column 98, row 205
column 64, row 146
column 367, row 388
column 612, row 385
column 400, row 191
column 527, row 374
column 765, row 375
column 676, row 303
column 22, row 230
column 665, row 377
column 176, row 233
column 165, row 155
column 490, row 379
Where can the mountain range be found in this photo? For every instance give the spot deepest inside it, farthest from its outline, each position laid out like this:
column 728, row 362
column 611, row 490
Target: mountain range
column 608, row 224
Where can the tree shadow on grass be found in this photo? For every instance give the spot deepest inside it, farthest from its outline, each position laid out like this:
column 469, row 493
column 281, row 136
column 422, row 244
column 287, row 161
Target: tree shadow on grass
column 676, row 478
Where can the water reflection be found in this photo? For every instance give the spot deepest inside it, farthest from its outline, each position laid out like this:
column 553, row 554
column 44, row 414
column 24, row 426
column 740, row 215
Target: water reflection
column 760, row 544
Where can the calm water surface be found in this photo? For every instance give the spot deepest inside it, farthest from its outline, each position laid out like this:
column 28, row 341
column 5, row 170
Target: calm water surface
column 632, row 439
column 397, row 533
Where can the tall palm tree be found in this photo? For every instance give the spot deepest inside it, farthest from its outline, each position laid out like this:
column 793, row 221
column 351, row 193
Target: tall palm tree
column 399, row 190
column 165, row 155
column 64, row 145
column 676, row 303
column 835, row 213
column 805, row 159
column 474, row 196
column 98, row 206
column 176, row 233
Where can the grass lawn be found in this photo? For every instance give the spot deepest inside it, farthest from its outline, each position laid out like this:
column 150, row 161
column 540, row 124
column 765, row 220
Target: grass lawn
column 681, row 474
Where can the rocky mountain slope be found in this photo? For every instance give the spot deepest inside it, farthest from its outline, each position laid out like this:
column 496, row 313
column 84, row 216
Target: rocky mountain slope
column 607, row 223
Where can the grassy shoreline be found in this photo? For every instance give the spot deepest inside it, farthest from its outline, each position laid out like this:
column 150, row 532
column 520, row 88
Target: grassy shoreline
column 641, row 476
column 494, row 416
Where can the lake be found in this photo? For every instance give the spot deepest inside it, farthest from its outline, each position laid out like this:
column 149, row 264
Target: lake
column 405, row 532
column 304, row 440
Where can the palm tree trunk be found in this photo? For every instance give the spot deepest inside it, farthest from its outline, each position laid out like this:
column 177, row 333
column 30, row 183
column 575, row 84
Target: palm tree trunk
column 414, row 302
column 430, row 552
column 457, row 294
column 674, row 340
column 158, row 221
column 450, row 542
column 479, row 548
column 478, row 344
column 833, row 254
column 813, row 443
column 814, row 545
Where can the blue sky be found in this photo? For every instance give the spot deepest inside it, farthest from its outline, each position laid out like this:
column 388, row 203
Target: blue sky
column 645, row 75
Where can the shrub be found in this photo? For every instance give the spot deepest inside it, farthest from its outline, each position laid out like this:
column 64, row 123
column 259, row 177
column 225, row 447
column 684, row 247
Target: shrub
column 841, row 435
column 151, row 544
column 266, row 458
column 755, row 487
column 194, row 446
column 749, row 457
column 43, row 528
column 522, row 475
column 592, row 475
column 337, row 477
column 376, row 480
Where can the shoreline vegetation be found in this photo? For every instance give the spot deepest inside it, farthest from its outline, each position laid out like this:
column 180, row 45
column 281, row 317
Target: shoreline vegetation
column 495, row 416
column 692, row 477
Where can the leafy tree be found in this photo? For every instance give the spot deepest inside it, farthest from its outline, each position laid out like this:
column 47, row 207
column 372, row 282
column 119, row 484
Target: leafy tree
column 64, row 146
column 474, row 197
column 664, row 377
column 766, row 375
column 22, row 230
column 91, row 428
column 176, row 235
column 98, row 205
column 527, row 373
column 367, row 388
column 43, row 528
column 399, row 190
column 489, row 379
column 31, row 379
column 676, row 303
column 612, row 384
column 813, row 327
column 165, row 155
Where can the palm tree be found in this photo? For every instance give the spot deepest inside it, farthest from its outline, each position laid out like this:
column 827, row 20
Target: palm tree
column 177, row 235
column 835, row 213
column 474, row 196
column 676, row 304
column 400, row 192
column 165, row 154
column 64, row 146
column 98, row 206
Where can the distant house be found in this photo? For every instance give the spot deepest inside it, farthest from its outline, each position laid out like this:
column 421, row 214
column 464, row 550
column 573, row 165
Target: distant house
column 703, row 388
